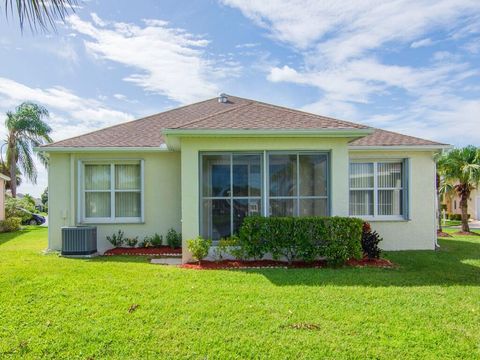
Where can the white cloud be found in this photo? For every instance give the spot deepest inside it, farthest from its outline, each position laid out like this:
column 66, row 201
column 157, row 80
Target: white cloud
column 421, row 43
column 70, row 115
column 167, row 61
column 342, row 42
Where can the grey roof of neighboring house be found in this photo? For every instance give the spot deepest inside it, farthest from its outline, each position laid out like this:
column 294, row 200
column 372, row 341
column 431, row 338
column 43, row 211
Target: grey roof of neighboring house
column 236, row 114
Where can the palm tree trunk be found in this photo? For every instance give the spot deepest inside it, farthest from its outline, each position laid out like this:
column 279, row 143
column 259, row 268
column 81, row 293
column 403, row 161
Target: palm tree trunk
column 464, row 207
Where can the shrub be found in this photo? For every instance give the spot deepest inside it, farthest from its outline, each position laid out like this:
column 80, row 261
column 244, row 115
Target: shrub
column 199, row 247
column 457, row 217
column 116, row 239
column 13, row 206
column 226, row 246
column 370, row 242
column 302, row 238
column 10, row 224
column 146, row 242
column 131, row 242
column 174, row 238
column 156, row 240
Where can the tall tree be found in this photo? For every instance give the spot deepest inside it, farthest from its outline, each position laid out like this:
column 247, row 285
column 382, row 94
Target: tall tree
column 26, row 129
column 39, row 13
column 461, row 167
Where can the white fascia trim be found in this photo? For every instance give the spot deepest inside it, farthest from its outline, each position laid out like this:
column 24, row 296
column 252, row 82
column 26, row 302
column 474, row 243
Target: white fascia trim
column 161, row 148
column 268, row 132
column 400, row 147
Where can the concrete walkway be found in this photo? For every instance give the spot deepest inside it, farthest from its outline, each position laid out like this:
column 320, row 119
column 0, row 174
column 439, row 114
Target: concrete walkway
column 474, row 224
column 167, row 261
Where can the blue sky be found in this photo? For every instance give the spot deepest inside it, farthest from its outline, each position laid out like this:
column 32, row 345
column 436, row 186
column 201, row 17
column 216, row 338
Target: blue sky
column 409, row 65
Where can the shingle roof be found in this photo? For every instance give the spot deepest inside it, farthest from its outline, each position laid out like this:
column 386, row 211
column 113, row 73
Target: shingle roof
column 237, row 113
column 389, row 138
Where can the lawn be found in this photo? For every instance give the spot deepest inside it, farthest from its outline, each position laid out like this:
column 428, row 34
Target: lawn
column 52, row 307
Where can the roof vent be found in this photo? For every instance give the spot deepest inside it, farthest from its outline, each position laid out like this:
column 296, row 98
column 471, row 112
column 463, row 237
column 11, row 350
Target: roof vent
column 222, row 98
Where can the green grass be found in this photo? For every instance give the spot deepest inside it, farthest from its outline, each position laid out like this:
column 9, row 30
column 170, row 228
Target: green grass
column 52, row 307
column 451, row 223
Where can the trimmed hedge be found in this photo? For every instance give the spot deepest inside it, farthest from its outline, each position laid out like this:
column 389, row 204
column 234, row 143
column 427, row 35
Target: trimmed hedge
column 10, row 224
column 302, row 238
column 457, row 217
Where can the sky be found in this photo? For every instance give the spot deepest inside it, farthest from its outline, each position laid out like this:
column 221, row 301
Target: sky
column 410, row 66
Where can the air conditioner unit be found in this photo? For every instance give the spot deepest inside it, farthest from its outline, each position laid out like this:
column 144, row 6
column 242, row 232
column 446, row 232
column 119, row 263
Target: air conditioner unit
column 79, row 240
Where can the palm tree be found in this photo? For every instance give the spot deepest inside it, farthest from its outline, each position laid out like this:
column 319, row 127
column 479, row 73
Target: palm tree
column 39, row 13
column 444, row 189
column 26, row 130
column 461, row 167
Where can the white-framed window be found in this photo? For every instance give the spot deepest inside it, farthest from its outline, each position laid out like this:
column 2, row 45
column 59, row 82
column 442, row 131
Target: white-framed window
column 379, row 189
column 111, row 191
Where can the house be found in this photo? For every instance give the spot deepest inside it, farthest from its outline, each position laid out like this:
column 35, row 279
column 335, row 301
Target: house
column 202, row 168
column 3, row 183
column 452, row 204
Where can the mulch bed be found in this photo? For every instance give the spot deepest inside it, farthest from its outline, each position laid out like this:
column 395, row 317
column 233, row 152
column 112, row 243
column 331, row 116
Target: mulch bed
column 466, row 233
column 160, row 251
column 270, row 264
column 443, row 234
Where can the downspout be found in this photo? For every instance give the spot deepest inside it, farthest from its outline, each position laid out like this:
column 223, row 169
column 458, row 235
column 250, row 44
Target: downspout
column 437, row 208
column 72, row 191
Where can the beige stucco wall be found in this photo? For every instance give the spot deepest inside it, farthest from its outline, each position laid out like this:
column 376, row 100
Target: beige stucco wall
column 191, row 147
column 420, row 231
column 472, row 205
column 2, row 199
column 162, row 195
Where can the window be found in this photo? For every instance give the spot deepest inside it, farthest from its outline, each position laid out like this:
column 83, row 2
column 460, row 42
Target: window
column 111, row 192
column 297, row 184
column 231, row 188
column 378, row 189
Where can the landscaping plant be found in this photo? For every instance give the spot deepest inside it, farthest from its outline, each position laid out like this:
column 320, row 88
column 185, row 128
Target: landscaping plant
column 10, row 224
column 199, row 247
column 131, row 242
column 370, row 240
column 226, row 246
column 156, row 240
column 116, row 239
column 174, row 238
column 302, row 238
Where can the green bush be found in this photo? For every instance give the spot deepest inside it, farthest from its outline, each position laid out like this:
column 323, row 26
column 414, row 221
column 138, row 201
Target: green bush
column 10, row 224
column 226, row 246
column 146, row 243
column 302, row 238
column 156, row 240
column 199, row 247
column 13, row 206
column 174, row 238
column 116, row 239
column 131, row 242
column 456, row 217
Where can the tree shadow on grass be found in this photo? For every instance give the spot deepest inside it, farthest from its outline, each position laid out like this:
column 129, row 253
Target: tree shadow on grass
column 452, row 265
column 8, row 236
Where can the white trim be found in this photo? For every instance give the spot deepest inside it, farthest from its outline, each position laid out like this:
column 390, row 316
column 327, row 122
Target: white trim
column 161, row 148
column 399, row 147
column 81, row 219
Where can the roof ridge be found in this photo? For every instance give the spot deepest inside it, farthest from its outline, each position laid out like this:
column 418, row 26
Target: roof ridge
column 215, row 114
column 127, row 122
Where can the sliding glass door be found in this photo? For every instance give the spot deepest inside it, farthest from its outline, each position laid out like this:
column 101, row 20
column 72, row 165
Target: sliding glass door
column 231, row 189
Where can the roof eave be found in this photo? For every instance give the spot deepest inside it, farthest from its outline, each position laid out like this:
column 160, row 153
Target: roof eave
column 90, row 149
column 400, row 147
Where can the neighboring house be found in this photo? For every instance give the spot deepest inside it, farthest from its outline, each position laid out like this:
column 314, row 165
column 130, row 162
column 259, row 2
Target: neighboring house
column 3, row 182
column 452, row 203
column 202, row 168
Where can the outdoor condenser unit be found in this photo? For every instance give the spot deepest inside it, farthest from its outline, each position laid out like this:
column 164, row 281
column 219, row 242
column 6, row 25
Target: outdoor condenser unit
column 79, row 240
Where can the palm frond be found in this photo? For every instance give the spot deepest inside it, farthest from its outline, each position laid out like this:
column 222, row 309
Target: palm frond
column 40, row 13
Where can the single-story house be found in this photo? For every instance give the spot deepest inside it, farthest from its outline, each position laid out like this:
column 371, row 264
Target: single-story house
column 202, row 168
column 3, row 183
column 452, row 204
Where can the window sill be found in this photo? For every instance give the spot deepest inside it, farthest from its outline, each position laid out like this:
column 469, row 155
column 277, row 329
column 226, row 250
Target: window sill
column 383, row 218
column 111, row 222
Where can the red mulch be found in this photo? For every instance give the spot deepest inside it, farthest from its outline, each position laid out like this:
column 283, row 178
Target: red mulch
column 243, row 264
column 464, row 233
column 163, row 250
column 443, row 234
